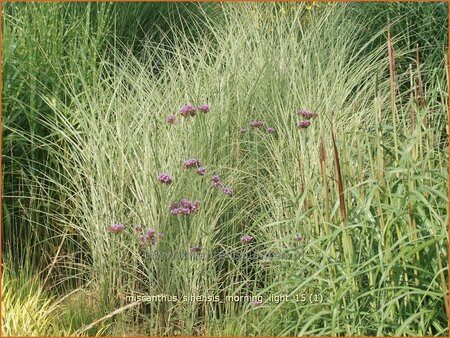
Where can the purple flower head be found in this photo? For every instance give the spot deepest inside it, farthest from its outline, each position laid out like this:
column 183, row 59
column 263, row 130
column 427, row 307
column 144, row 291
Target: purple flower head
column 164, row 178
column 175, row 208
column 227, row 191
column 299, row 238
column 201, row 171
column 256, row 124
column 216, row 181
column 185, row 207
column 246, row 239
column 304, row 124
column 143, row 239
column 195, row 249
column 116, row 228
column 138, row 228
column 187, row 110
column 256, row 303
column 185, row 203
column 191, row 163
column 150, row 233
column 242, row 130
column 271, row 130
column 306, row 114
column 171, row 119
column 203, row 108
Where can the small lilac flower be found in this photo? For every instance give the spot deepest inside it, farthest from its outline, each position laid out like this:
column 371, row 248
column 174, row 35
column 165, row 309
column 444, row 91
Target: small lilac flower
column 201, row 171
column 171, row 119
column 164, row 178
column 299, row 238
column 191, row 163
column 216, row 181
column 195, row 249
column 227, row 191
column 242, row 131
column 256, row 124
column 143, row 239
column 304, row 124
column 185, row 207
column 256, row 303
column 185, row 203
column 246, row 239
column 150, row 233
column 271, row 130
column 203, row 108
column 116, row 228
column 138, row 228
column 175, row 211
column 306, row 114
column 187, row 110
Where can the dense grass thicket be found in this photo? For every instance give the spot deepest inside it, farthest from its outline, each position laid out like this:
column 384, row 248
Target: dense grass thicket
column 323, row 199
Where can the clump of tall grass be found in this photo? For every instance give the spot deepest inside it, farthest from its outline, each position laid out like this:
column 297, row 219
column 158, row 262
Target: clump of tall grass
column 27, row 309
column 41, row 44
column 363, row 264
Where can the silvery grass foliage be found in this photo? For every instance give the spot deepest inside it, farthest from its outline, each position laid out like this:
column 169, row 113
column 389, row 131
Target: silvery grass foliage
column 331, row 215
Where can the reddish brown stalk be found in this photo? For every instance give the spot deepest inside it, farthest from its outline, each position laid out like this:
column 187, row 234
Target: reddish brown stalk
column 342, row 207
column 419, row 75
column 323, row 166
column 305, row 203
column 412, row 96
column 422, row 95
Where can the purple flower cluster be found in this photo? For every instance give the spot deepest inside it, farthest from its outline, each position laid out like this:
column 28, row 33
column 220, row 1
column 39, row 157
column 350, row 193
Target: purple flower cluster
column 171, row 119
column 307, row 116
column 216, row 183
column 204, row 108
column 246, row 239
column 256, row 124
column 201, row 171
column 304, row 124
column 190, row 110
column 195, row 249
column 256, row 303
column 148, row 237
column 191, row 163
column 184, row 207
column 116, row 228
column 145, row 238
column 164, row 178
column 299, row 238
column 227, row 191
